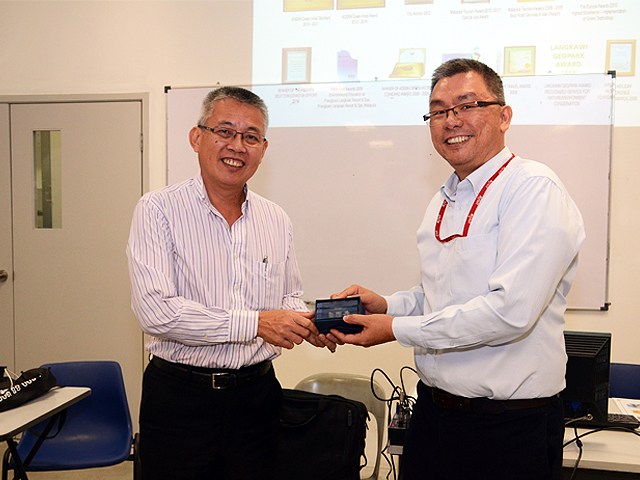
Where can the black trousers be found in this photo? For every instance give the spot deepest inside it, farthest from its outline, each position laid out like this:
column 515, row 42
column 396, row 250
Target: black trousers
column 192, row 431
column 516, row 445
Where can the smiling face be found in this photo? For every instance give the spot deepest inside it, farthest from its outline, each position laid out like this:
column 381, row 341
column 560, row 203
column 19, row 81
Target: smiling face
column 227, row 165
column 467, row 144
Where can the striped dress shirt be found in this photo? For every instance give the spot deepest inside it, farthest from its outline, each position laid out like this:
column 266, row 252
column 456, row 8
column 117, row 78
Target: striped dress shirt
column 197, row 284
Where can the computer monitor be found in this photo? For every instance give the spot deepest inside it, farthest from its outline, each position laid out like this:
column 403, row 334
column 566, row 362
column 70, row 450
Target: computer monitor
column 587, row 377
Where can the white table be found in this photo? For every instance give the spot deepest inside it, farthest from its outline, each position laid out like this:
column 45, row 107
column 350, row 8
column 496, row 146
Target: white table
column 607, row 450
column 49, row 405
column 603, row 451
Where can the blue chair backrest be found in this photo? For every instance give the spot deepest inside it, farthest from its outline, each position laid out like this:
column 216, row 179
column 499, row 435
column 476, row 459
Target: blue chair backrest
column 97, row 431
column 624, row 381
column 108, row 396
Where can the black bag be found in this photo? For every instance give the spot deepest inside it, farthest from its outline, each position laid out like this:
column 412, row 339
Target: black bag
column 322, row 437
column 31, row 384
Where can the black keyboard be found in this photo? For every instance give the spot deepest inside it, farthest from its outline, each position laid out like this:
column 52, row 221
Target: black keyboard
column 613, row 420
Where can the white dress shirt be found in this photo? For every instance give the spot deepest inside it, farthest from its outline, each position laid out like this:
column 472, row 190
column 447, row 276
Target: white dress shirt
column 488, row 317
column 197, row 285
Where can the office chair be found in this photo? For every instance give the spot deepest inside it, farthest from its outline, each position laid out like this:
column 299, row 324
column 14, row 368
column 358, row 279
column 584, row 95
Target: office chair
column 353, row 387
column 97, row 431
column 624, row 381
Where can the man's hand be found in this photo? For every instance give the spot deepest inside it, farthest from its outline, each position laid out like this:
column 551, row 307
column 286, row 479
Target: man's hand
column 320, row 340
column 377, row 329
column 372, row 302
column 286, row 328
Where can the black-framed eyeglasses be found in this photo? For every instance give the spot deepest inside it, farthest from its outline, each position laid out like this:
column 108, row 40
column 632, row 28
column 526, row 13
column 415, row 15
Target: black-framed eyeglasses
column 249, row 138
column 462, row 111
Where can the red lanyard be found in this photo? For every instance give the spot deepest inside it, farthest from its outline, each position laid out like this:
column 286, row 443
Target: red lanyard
column 474, row 207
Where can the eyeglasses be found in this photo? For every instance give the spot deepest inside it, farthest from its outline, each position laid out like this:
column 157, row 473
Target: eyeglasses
column 250, row 139
column 465, row 110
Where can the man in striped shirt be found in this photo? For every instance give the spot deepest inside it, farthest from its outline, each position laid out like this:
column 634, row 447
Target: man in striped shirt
column 216, row 287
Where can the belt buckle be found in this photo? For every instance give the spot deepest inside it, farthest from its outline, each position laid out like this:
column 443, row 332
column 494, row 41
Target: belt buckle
column 213, row 381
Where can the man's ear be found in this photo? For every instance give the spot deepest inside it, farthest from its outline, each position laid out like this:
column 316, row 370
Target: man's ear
column 195, row 134
column 505, row 118
column 264, row 149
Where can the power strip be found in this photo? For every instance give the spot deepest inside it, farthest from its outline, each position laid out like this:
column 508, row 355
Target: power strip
column 398, row 428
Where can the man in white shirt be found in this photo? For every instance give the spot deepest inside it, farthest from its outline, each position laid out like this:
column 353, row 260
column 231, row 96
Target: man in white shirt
column 216, row 287
column 498, row 249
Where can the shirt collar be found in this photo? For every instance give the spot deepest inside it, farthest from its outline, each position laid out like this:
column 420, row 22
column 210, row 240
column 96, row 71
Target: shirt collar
column 198, row 183
column 477, row 178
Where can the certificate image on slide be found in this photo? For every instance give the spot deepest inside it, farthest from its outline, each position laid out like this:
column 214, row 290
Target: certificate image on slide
column 307, row 5
column 296, row 65
column 410, row 63
column 519, row 61
column 345, row 4
column 621, row 57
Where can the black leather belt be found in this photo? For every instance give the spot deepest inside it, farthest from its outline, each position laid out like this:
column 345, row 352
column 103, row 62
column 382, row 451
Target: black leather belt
column 217, row 378
column 484, row 405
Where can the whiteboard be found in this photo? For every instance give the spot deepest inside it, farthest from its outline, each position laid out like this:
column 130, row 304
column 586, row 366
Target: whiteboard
column 353, row 166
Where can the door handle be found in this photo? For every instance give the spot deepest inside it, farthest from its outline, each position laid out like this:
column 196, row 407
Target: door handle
column 3, row 276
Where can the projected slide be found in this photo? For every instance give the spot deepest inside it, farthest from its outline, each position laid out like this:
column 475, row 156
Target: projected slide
column 321, row 41
column 354, row 167
column 537, row 100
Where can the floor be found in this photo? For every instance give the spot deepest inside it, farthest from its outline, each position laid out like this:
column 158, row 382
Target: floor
column 124, row 471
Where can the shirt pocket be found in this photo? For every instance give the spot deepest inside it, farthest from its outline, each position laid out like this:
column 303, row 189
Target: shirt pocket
column 269, row 285
column 475, row 262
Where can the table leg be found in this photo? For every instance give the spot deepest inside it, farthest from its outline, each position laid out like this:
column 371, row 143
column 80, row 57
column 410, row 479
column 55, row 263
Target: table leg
column 16, row 460
column 20, row 465
column 42, row 437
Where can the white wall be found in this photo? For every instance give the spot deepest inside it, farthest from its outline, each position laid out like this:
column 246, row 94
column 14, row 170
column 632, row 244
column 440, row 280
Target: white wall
column 76, row 47
column 68, row 47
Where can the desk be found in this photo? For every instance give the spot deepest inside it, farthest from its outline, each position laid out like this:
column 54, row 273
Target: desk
column 607, row 450
column 604, row 452
column 49, row 405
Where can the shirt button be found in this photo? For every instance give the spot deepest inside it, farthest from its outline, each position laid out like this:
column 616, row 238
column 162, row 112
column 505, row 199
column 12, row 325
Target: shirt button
column 236, row 256
column 237, row 287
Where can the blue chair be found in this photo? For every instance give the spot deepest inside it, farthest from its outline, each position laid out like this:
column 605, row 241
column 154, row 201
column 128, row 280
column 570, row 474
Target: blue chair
column 624, row 381
column 97, row 431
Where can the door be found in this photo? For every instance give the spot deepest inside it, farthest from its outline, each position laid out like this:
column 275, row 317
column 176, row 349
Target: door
column 71, row 298
column 6, row 241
